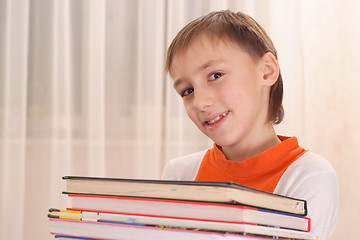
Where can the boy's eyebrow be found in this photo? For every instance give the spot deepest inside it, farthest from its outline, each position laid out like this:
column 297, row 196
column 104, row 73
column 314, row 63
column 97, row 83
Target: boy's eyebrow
column 177, row 82
column 208, row 64
column 203, row 66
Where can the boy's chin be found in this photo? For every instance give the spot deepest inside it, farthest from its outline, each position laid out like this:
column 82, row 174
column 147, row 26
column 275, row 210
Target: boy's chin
column 224, row 141
column 219, row 141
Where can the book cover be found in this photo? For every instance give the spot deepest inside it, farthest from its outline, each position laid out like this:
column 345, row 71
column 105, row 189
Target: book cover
column 110, row 230
column 213, row 237
column 153, row 220
column 189, row 209
column 185, row 190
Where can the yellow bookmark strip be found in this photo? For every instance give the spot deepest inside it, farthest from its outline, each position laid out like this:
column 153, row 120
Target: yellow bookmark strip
column 70, row 211
column 70, row 218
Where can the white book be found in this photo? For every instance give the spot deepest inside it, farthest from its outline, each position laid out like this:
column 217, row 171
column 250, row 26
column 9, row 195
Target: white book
column 189, row 209
column 107, row 230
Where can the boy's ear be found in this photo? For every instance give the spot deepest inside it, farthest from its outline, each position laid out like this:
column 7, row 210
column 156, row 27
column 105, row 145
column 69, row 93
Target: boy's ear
column 270, row 69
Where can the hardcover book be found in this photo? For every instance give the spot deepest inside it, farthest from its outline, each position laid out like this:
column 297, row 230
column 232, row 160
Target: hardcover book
column 110, row 230
column 221, row 192
column 188, row 209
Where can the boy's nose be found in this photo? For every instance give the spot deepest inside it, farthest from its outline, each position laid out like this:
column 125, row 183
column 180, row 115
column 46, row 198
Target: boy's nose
column 202, row 99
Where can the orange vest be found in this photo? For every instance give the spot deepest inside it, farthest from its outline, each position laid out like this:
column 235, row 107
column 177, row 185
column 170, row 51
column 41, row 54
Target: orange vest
column 262, row 171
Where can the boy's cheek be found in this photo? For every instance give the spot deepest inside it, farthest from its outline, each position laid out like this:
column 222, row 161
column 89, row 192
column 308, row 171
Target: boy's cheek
column 193, row 117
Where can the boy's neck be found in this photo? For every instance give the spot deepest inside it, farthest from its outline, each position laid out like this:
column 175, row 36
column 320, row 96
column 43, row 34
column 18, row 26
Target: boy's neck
column 257, row 145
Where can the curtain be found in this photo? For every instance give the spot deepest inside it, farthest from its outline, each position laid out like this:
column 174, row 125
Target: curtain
column 83, row 92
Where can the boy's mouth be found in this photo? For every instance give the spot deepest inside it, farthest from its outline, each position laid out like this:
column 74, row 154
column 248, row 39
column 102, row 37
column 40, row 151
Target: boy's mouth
column 216, row 119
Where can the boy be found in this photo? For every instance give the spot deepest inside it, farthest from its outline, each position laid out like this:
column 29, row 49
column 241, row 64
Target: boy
column 225, row 68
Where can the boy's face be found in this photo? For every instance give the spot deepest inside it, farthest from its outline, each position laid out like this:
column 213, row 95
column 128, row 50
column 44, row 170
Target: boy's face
column 223, row 90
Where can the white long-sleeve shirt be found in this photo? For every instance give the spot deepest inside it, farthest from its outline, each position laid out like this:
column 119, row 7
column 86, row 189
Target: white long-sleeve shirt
column 310, row 177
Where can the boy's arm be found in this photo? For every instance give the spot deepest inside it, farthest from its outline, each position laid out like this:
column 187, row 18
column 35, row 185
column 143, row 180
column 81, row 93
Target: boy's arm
column 312, row 178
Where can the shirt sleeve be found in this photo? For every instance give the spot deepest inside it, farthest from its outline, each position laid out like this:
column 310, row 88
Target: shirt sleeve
column 312, row 178
column 183, row 168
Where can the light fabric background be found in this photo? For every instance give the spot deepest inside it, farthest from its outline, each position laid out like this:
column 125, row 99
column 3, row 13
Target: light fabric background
column 82, row 92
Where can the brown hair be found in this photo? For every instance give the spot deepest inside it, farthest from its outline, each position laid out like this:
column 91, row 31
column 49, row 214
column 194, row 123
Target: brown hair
column 241, row 29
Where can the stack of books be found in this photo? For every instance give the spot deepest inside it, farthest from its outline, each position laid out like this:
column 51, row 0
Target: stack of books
column 134, row 209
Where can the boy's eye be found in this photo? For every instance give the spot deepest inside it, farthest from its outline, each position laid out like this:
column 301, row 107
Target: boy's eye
column 187, row 92
column 215, row 75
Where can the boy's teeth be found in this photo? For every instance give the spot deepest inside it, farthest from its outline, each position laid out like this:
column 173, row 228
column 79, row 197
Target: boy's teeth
column 214, row 120
column 217, row 118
